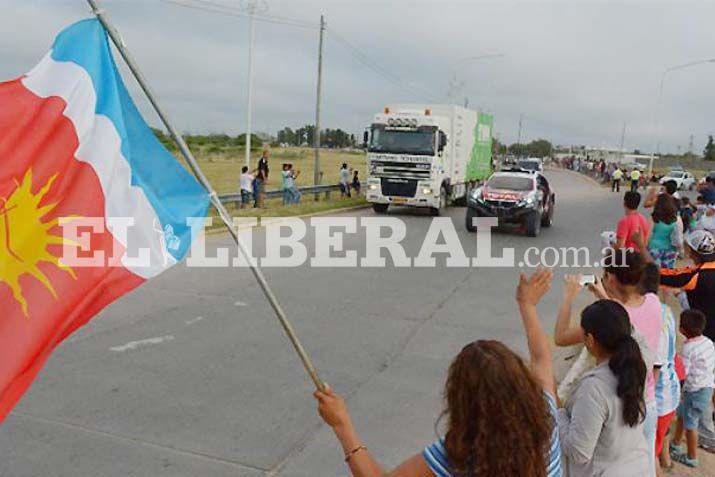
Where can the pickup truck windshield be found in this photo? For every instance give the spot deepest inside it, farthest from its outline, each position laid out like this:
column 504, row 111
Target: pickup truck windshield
column 511, row 183
column 395, row 141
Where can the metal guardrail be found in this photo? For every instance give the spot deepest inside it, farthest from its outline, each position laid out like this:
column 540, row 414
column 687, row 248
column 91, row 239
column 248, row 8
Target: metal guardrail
column 277, row 193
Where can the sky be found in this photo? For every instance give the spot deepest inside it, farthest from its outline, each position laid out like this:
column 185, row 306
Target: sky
column 575, row 71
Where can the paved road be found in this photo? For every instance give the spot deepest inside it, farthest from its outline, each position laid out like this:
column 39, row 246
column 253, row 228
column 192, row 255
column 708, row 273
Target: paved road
column 216, row 389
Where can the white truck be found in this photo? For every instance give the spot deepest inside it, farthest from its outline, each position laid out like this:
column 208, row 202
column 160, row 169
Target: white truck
column 424, row 155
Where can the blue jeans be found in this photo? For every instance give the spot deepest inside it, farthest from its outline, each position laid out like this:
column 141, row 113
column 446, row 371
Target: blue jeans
column 694, row 405
column 295, row 195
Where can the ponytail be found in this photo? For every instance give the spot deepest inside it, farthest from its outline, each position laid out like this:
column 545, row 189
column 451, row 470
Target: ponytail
column 608, row 322
column 627, row 364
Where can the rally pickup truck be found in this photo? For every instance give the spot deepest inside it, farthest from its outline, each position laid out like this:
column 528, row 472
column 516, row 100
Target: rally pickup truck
column 514, row 196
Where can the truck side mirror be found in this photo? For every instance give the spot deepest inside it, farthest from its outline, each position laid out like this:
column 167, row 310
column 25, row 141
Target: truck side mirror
column 365, row 139
column 442, row 141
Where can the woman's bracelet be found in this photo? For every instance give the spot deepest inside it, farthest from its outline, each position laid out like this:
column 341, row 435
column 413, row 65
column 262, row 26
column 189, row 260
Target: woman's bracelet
column 349, row 455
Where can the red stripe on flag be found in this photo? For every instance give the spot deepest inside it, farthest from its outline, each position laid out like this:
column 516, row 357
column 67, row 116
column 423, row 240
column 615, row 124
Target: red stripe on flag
column 37, row 147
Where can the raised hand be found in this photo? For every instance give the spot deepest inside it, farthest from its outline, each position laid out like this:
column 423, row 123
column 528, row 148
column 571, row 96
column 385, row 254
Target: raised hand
column 531, row 289
column 572, row 286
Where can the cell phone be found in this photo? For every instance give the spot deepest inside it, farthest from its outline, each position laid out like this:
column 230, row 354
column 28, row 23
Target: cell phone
column 587, row 280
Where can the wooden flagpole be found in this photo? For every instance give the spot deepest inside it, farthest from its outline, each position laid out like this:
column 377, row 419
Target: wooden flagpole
column 223, row 213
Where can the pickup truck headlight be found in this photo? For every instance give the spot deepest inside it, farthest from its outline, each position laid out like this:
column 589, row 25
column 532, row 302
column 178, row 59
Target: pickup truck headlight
column 477, row 195
column 527, row 201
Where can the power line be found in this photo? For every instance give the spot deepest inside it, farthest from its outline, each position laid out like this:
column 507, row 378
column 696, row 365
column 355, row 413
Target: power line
column 357, row 53
column 213, row 7
column 363, row 58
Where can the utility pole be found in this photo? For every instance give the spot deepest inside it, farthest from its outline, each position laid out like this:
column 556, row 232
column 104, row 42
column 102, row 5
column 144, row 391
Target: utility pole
column 690, row 145
column 249, row 100
column 316, row 133
column 518, row 138
column 623, row 140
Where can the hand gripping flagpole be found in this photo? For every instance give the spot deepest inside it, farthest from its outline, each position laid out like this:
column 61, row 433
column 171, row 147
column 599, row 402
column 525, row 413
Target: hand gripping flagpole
column 223, row 213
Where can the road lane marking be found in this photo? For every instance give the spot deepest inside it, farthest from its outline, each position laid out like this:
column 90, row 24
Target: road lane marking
column 195, row 320
column 132, row 345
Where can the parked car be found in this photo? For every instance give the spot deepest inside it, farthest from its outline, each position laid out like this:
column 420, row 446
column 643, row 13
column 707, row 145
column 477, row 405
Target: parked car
column 684, row 179
column 514, row 196
column 710, row 175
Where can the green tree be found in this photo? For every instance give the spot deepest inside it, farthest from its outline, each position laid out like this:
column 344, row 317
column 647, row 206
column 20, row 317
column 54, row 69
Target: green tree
column 518, row 149
column 709, row 152
column 539, row 148
column 256, row 142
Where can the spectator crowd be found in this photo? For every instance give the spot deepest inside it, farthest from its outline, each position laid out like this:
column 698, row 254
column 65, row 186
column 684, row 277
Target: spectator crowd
column 637, row 398
column 252, row 183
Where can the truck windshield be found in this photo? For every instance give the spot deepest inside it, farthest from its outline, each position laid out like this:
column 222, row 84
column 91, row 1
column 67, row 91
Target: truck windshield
column 395, row 141
column 511, row 183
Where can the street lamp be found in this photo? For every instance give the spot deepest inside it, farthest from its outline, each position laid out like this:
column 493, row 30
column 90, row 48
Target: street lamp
column 252, row 7
column 659, row 104
column 456, row 86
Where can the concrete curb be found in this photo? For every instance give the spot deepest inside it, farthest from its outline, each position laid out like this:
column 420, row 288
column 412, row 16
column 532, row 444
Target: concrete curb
column 585, row 177
column 264, row 221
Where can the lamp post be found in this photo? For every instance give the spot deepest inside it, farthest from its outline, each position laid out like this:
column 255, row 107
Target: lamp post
column 659, row 103
column 252, row 7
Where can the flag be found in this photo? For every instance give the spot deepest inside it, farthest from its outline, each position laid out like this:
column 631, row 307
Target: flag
column 75, row 149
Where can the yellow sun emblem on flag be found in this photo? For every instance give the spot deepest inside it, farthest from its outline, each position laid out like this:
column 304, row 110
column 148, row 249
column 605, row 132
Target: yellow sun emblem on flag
column 25, row 237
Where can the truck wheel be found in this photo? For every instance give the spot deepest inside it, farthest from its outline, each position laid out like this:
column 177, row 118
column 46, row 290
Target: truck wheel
column 462, row 201
column 435, row 211
column 468, row 222
column 533, row 223
column 380, row 208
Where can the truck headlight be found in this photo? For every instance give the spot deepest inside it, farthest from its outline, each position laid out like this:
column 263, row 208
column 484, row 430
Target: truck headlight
column 427, row 190
column 372, row 186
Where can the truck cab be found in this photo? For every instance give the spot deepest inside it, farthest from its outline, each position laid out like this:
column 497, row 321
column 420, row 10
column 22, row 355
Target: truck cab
column 419, row 156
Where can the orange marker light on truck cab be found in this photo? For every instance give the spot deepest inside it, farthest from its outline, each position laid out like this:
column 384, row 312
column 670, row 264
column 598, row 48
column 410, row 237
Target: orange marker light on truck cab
column 428, row 112
column 387, row 110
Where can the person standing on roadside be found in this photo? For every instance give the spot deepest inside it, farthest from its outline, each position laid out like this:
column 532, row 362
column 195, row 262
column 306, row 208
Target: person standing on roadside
column 287, row 184
column 666, row 238
column 295, row 192
column 632, row 222
column 601, row 425
column 246, row 186
column 698, row 283
column 635, row 177
column 667, row 386
column 356, row 183
column 616, row 178
column 262, row 179
column 500, row 412
column 622, row 279
column 699, row 361
column 344, row 181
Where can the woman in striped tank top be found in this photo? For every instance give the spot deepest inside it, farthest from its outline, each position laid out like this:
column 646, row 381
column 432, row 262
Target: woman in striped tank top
column 500, row 411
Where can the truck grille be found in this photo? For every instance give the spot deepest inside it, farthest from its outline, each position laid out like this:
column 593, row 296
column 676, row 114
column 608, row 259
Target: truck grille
column 401, row 169
column 399, row 187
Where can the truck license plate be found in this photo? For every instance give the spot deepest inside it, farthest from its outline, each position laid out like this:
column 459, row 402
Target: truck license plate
column 399, row 200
